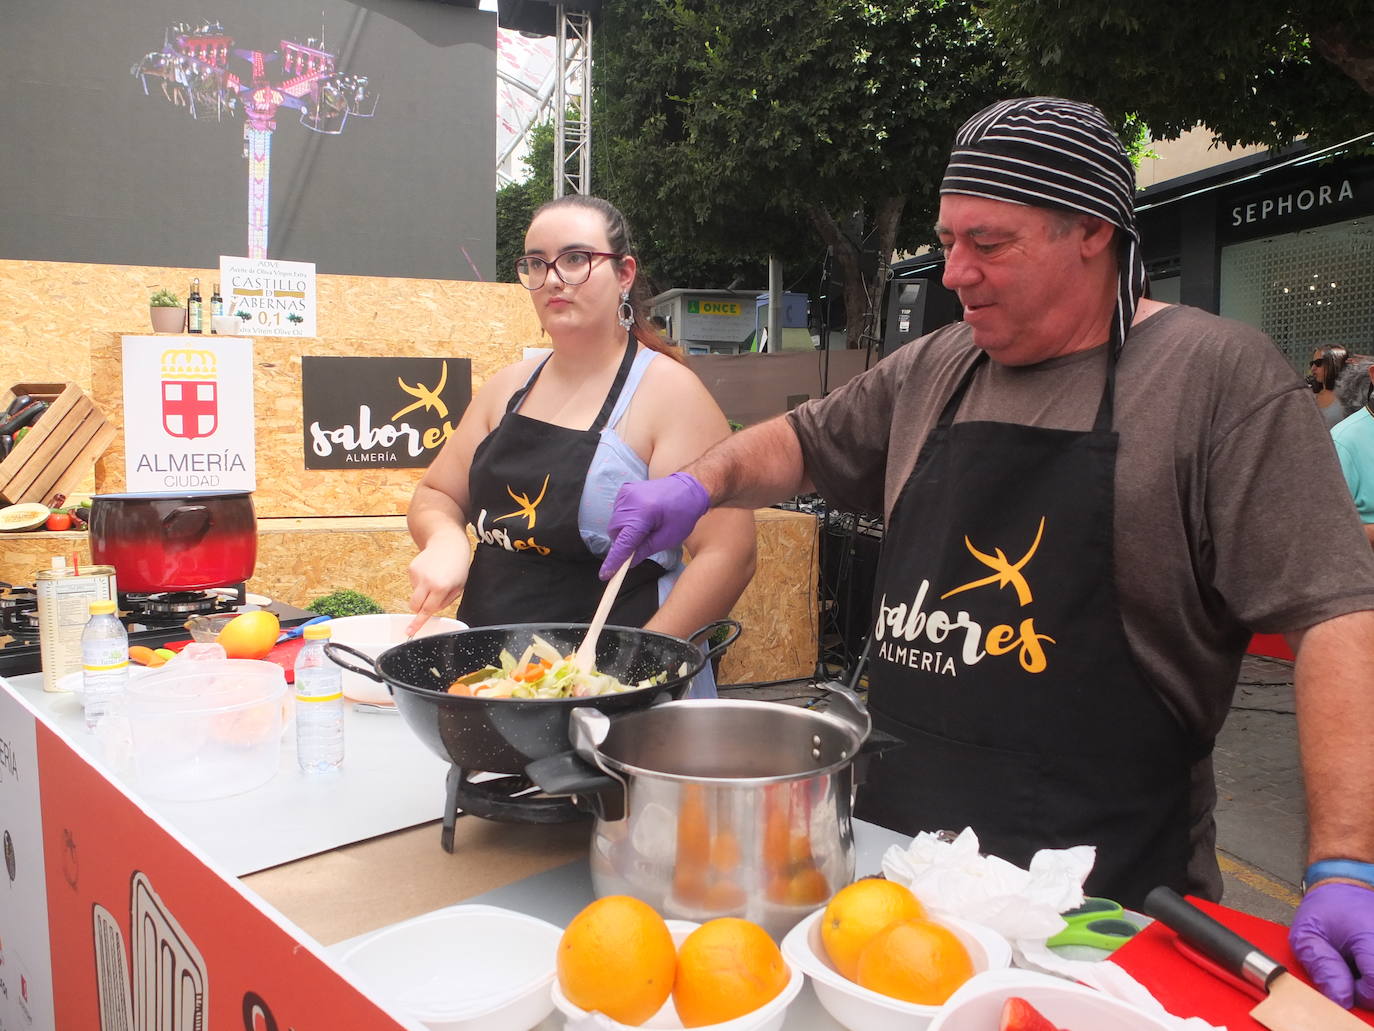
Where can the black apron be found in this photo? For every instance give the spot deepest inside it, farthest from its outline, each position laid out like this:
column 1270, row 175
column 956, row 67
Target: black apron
column 1000, row 659
column 531, row 564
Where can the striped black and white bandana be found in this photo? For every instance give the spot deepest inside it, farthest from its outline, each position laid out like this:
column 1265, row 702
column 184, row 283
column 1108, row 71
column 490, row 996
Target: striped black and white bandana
column 1048, row 152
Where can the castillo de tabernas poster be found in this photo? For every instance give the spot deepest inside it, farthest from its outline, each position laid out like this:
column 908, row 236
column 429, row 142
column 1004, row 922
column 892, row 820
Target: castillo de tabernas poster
column 188, row 413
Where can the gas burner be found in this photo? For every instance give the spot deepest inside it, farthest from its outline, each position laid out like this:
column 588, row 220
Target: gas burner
column 175, row 604
column 508, row 799
column 19, row 613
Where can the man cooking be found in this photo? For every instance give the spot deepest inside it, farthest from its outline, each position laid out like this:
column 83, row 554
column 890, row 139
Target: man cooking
column 1092, row 500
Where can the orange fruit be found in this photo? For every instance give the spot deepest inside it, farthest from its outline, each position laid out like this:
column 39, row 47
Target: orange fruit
column 916, row 961
column 725, row 969
column 249, row 635
column 617, row 956
column 808, row 887
column 858, row 912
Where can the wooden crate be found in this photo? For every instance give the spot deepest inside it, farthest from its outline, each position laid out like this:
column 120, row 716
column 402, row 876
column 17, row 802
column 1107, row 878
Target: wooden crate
column 60, row 448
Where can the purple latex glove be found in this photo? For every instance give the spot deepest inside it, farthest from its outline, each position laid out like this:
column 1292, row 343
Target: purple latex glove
column 653, row 516
column 1333, row 931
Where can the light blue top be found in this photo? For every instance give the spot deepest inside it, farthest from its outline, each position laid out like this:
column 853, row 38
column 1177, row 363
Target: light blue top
column 1354, row 440
column 615, row 464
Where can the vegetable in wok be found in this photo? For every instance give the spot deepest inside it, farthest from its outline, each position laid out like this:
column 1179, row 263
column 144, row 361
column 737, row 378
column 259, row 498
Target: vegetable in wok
column 542, row 672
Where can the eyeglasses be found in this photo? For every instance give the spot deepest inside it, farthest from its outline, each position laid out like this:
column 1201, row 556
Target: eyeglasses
column 572, row 267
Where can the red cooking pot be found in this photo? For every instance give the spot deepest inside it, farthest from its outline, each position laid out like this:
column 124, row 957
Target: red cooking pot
column 175, row 542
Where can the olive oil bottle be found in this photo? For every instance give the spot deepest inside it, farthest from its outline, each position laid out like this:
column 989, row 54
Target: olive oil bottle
column 194, row 309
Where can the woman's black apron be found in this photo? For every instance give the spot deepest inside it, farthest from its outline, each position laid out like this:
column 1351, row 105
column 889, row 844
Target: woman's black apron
column 531, row 564
column 1000, row 659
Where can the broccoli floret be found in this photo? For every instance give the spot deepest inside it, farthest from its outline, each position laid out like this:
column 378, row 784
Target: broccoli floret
column 344, row 603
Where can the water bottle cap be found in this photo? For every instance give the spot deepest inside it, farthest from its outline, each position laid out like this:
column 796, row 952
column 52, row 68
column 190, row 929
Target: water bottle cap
column 316, row 632
column 102, row 608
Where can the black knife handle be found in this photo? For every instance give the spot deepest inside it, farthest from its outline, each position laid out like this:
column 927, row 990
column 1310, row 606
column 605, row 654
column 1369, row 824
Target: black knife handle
column 1222, row 944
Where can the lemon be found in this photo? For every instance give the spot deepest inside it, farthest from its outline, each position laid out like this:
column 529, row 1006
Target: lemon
column 250, row 635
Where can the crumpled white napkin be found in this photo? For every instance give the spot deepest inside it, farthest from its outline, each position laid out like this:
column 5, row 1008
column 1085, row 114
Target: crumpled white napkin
column 953, row 879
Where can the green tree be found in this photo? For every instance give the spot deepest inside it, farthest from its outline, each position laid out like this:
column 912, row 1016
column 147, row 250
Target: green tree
column 1254, row 72
column 738, row 130
column 516, row 202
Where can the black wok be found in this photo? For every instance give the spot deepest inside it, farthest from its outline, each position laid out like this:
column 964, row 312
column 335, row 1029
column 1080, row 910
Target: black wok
column 503, row 735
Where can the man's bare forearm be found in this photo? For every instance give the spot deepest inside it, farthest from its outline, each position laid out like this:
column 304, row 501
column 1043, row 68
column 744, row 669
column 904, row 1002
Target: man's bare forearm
column 753, row 468
column 1335, row 730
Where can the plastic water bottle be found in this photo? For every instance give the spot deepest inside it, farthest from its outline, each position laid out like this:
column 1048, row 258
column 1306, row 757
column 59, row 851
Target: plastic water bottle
column 319, row 705
column 104, row 662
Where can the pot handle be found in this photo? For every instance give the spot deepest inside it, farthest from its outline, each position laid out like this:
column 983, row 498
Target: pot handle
column 370, row 671
column 187, row 524
column 567, row 773
column 847, row 707
column 711, row 628
column 587, row 729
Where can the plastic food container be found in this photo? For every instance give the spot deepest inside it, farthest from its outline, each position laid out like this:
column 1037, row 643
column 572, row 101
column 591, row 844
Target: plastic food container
column 768, row 1017
column 465, row 968
column 206, row 729
column 374, row 634
column 855, row 1006
column 978, row 1004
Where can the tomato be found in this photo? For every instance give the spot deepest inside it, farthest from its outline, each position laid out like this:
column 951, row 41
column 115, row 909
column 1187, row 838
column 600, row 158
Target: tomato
column 59, row 521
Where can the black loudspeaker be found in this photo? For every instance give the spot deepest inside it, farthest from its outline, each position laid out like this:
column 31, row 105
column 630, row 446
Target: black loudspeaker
column 906, row 311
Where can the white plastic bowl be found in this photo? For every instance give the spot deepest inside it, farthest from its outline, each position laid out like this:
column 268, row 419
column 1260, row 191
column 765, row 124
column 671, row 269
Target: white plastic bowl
column 206, row 729
column 464, row 968
column 978, row 1004
column 855, row 1006
column 768, row 1017
column 374, row 634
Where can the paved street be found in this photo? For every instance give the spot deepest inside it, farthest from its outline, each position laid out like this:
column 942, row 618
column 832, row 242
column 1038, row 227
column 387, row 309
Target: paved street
column 1260, row 811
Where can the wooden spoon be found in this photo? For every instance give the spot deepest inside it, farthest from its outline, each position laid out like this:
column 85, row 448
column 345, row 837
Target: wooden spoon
column 585, row 657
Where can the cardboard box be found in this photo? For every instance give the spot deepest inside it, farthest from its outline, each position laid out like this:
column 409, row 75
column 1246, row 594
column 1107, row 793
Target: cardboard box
column 60, row 449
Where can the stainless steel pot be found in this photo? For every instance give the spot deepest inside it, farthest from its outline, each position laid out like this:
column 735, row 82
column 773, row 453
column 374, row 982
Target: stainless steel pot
column 718, row 808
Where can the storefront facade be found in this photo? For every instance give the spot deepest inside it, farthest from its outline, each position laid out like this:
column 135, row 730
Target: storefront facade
column 1283, row 243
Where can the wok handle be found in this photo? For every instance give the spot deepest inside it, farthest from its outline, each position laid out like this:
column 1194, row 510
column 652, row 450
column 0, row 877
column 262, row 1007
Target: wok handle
column 846, row 706
column 567, row 773
column 711, row 628
column 370, row 671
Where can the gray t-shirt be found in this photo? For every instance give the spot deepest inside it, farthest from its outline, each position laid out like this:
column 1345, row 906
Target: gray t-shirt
column 1231, row 513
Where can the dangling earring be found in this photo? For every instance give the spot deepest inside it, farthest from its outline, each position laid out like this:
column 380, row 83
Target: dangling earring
column 625, row 314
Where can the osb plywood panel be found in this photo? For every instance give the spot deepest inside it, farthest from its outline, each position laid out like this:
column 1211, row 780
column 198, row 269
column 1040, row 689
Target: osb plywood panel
column 23, row 554
column 62, row 321
column 778, row 611
column 301, row 559
column 48, row 309
column 285, row 487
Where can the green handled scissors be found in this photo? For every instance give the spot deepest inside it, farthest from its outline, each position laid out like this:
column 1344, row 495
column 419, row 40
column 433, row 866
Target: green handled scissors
column 1098, row 923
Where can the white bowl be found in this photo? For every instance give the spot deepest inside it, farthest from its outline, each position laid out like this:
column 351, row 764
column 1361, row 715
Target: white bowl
column 464, row 968
column 855, row 1006
column 374, row 634
column 768, row 1017
column 978, row 1004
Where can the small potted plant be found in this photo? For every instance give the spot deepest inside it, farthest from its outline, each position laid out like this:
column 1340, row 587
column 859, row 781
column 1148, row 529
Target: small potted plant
column 167, row 313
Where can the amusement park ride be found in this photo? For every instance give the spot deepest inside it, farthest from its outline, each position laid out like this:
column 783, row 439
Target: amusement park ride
column 193, row 73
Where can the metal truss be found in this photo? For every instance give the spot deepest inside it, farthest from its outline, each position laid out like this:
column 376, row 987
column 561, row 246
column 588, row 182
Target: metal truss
column 572, row 147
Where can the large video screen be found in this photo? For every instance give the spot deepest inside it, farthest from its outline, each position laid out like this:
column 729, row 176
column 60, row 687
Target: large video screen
column 359, row 136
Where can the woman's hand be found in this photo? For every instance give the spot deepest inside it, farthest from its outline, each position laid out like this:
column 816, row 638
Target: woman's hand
column 437, row 575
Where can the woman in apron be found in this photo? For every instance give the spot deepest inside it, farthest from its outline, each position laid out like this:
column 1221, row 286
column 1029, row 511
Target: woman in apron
column 537, row 459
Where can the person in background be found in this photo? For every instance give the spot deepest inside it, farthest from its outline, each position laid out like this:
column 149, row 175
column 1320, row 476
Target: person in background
column 541, row 451
column 1325, row 369
column 1064, row 554
column 1354, row 436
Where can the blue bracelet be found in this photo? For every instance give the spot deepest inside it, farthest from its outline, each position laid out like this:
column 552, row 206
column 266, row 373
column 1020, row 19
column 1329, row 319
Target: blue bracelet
column 1350, row 869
